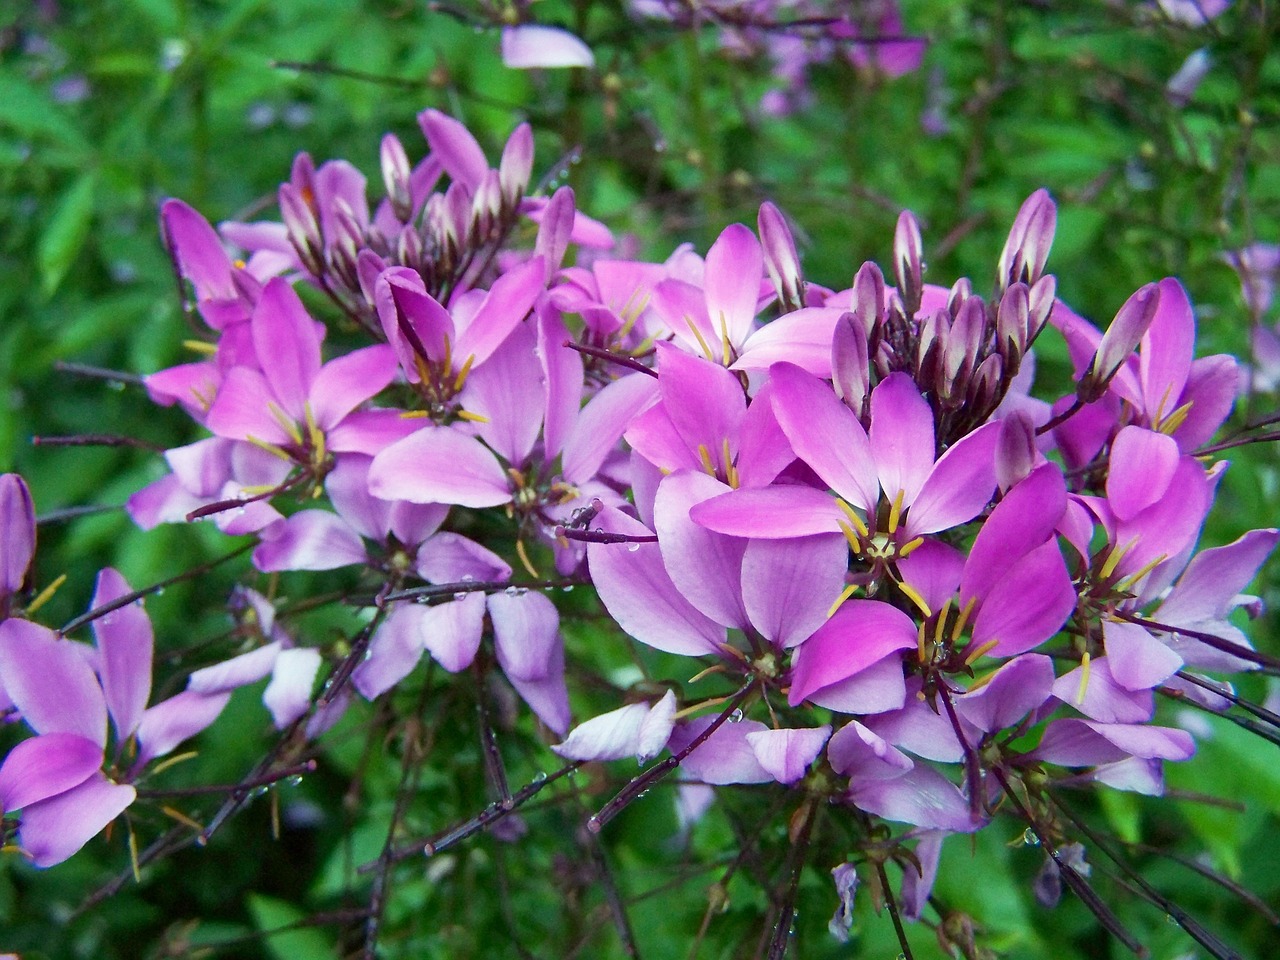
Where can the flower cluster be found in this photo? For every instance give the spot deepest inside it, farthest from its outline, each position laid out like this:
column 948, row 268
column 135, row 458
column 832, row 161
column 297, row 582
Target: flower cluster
column 911, row 589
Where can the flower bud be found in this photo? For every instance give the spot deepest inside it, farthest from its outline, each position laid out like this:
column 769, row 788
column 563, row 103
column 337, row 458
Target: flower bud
column 908, row 265
column 1015, row 449
column 1120, row 340
column 1012, row 323
column 850, row 370
column 395, row 177
column 17, row 534
column 516, row 165
column 1182, row 85
column 556, row 229
column 961, row 291
column 1040, row 301
column 303, row 228
column 868, row 299
column 780, row 256
column 1027, row 249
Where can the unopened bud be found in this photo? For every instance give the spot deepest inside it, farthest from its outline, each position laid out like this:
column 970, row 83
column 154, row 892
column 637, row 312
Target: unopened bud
column 961, row 291
column 931, row 346
column 1120, row 340
column 868, row 299
column 395, row 177
column 1026, row 251
column 1015, row 449
column 302, row 228
column 985, row 387
column 486, row 205
column 17, row 534
column 556, row 229
column 780, row 257
column 516, row 165
column 1040, row 301
column 1182, row 85
column 960, row 354
column 850, row 369
column 1013, row 321
column 908, row 264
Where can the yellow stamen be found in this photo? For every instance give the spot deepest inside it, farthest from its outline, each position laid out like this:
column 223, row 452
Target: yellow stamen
column 271, row 448
column 461, row 378
column 854, row 519
column 694, row 708
column 978, row 651
column 182, row 818
column 1171, row 423
column 726, row 349
column 910, row 547
column 983, row 680
column 963, row 620
column 414, row 414
column 1084, row 677
column 854, row 543
column 423, row 367
column 524, row 559
column 472, row 417
column 920, row 642
column 314, row 433
column 14, row 848
column 1113, row 561
column 727, row 456
column 201, row 346
column 133, row 856
column 915, row 598
column 170, row 761
column 44, row 596
column 845, row 594
column 1132, row 579
column 705, row 456
column 895, row 511
column 701, row 674
column 940, row 626
column 702, row 342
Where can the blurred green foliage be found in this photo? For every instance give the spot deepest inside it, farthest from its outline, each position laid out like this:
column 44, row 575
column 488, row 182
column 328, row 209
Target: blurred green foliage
column 108, row 108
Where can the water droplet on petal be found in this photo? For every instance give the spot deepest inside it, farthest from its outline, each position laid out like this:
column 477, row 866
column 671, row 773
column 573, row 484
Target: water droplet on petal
column 736, row 716
column 633, row 547
column 460, row 595
column 512, row 591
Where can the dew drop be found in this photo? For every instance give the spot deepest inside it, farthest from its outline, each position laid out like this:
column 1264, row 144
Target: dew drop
column 540, row 776
column 633, row 548
column 466, row 578
column 567, row 588
column 460, row 595
column 736, row 716
column 1170, row 918
column 512, row 591
column 295, row 780
column 1029, row 838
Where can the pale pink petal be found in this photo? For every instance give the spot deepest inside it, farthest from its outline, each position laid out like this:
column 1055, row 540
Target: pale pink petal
column 724, row 757
column 788, row 586
column 451, row 558
column 1018, row 687
column 54, row 829
column 239, row 671
column 1138, row 661
column 309, row 540
column 526, row 626
column 454, row 146
column 451, row 631
column 1142, row 464
column 735, row 266
column 547, row 696
column 288, row 695
column 241, row 410
column 530, row 46
column 507, row 392
column 610, row 736
column 394, row 650
column 787, row 753
column 44, row 766
column 1164, row 355
column 602, row 422
column 50, row 681
column 125, row 641
column 856, row 750
column 802, row 337
column 172, row 721
column 901, row 437
column 917, row 729
column 439, row 465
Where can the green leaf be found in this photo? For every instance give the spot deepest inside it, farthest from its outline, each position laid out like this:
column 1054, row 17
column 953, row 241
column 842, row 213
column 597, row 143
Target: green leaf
column 300, row 943
column 66, row 232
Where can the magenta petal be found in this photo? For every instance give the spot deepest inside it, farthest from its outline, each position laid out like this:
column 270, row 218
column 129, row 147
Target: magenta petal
column 1028, row 605
column 530, row 46
column 705, row 567
column 787, row 753
column 735, row 266
column 199, row 256
column 901, row 437
column 876, row 689
column 825, row 434
column 860, row 633
column 724, row 757
column 451, row 631
column 763, row 449
column 1207, row 590
column 1141, row 466
column 933, row 570
column 526, row 626
column 239, row 671
column 959, row 486
column 704, row 401
column 125, row 641
column 50, row 681
column 1169, row 525
column 1164, row 356
column 288, row 695
column 506, row 304
column 454, row 146
column 1211, row 390
column 309, row 540
column 453, row 558
column 54, row 829
column 601, row 424
column 921, row 796
column 507, row 392
column 562, row 376
column 636, row 589
column 287, row 345
column 369, row 432
column 241, row 410
column 1100, row 697
column 1022, row 521
column 683, row 308
column 439, row 465
column 802, row 337
column 172, row 721
column 394, row 650
column 347, row 381
column 917, row 729
column 408, row 314
column 44, row 766
column 770, row 512
column 857, row 751
column 1017, row 688
column 788, row 586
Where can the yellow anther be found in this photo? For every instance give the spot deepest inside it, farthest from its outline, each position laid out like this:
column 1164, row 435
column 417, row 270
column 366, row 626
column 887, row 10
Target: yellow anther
column 895, row 511
column 920, row 643
column 471, row 417
column 43, row 597
column 525, row 561
column 286, row 423
column 239, row 263
column 726, row 454
column 201, row 346
column 271, row 448
column 1113, row 560
column 1172, row 422
column 845, row 594
column 910, row 547
column 702, row 341
column 705, row 456
column 963, row 620
column 423, row 367
column 915, row 598
column 854, row 543
column 414, row 414
column 695, row 707
column 314, row 433
column 1084, row 677
column 168, row 762
column 854, row 519
column 461, row 378
column 725, row 347
column 979, row 651
column 1132, row 579
column 940, row 627
column 447, row 363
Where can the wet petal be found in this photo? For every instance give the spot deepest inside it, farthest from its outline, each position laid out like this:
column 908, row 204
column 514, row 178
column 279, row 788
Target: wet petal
column 439, row 465
column 44, row 766
column 860, row 633
column 724, row 757
column 787, row 753
column 451, row 631
column 394, row 650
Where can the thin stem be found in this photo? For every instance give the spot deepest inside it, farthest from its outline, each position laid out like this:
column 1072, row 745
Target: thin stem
column 893, row 911
column 96, row 440
column 263, row 781
column 1209, row 639
column 98, row 373
column 781, row 937
column 612, row 896
column 611, row 357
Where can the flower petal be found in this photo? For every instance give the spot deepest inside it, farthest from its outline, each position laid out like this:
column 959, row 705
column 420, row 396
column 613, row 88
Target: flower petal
column 125, row 641
column 54, row 829
column 50, row 681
